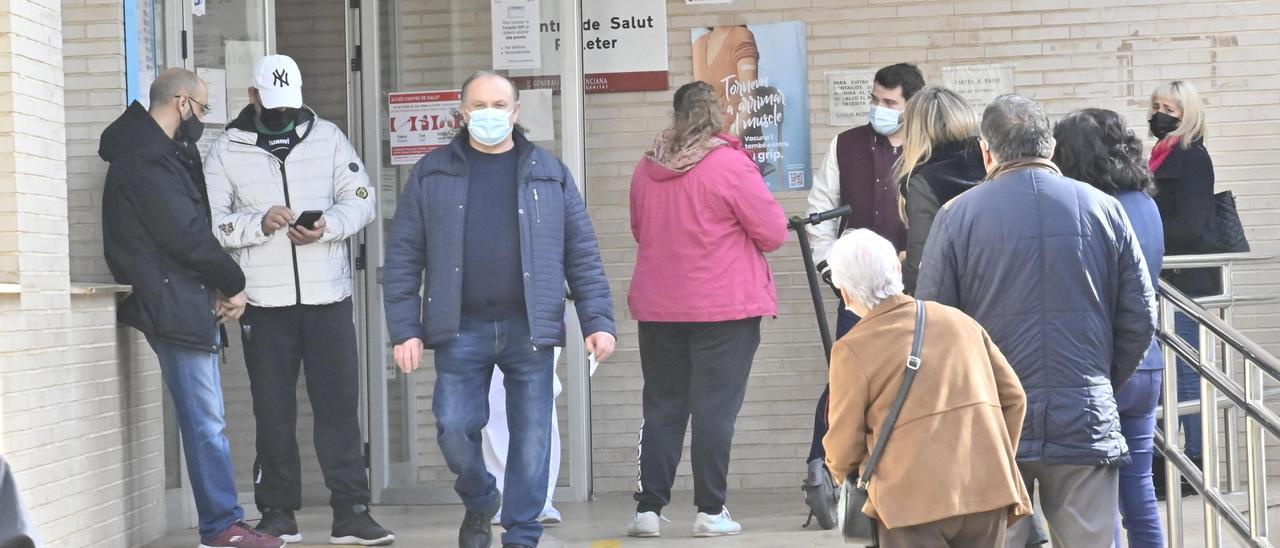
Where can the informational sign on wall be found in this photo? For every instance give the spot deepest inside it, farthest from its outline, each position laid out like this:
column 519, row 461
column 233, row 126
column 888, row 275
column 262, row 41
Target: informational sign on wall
column 422, row 121
column 849, row 97
column 624, row 46
column 537, row 115
column 216, row 81
column 516, row 40
column 240, row 57
column 979, row 84
column 198, row 7
column 761, row 75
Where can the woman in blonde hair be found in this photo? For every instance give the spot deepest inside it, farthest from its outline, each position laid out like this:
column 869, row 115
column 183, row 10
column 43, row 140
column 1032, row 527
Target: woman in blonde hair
column 940, row 159
column 703, row 219
column 1184, row 193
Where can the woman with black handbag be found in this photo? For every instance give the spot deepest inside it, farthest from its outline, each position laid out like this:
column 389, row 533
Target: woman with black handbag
column 1196, row 221
column 924, row 409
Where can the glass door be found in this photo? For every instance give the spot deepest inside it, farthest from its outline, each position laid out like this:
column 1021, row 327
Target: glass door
column 414, row 56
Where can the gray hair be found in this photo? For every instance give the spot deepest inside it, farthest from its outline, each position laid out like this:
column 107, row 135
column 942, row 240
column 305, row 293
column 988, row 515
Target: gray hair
column 173, row 83
column 865, row 265
column 466, row 84
column 1016, row 127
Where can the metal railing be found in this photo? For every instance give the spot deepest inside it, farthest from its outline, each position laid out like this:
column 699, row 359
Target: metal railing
column 1222, row 400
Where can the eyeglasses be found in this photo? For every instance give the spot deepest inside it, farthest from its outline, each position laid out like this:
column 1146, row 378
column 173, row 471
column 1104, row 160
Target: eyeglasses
column 204, row 109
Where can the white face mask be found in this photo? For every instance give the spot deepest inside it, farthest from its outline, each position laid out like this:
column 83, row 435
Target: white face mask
column 885, row 121
column 490, row 126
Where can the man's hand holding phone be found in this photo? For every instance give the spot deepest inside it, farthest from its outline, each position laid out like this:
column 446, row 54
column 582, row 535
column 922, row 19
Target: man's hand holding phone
column 308, row 228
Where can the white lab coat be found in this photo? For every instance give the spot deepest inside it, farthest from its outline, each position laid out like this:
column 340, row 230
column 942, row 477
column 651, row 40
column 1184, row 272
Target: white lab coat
column 496, row 436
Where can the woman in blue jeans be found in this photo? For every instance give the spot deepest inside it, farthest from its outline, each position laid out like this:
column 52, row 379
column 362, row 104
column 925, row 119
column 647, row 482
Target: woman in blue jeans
column 1094, row 146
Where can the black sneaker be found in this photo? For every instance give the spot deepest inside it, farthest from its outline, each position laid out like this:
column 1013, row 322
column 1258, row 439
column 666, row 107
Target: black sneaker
column 280, row 524
column 476, row 531
column 359, row 529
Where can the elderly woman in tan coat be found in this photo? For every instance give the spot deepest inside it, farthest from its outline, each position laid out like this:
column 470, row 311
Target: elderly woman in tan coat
column 948, row 477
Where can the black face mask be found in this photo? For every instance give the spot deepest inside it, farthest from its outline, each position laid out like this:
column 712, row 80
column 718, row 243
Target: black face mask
column 278, row 120
column 191, row 128
column 1163, row 124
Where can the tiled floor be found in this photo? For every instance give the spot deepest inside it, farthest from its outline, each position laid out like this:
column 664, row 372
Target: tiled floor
column 770, row 519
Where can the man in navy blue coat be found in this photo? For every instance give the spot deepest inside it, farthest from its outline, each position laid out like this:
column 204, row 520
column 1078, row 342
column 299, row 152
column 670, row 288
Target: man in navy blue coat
column 499, row 229
column 1052, row 269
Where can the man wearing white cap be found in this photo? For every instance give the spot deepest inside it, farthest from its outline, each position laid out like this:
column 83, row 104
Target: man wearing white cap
column 287, row 190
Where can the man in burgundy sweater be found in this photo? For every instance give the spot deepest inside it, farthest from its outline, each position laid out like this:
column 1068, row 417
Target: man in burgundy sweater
column 857, row 172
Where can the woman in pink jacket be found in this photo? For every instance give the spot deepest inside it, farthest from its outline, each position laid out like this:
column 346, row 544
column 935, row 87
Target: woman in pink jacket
column 703, row 219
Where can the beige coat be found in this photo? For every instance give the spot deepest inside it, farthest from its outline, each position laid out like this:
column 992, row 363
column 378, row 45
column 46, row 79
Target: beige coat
column 952, row 451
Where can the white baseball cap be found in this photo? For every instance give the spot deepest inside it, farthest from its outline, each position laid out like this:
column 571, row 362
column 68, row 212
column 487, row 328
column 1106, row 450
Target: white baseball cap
column 278, row 81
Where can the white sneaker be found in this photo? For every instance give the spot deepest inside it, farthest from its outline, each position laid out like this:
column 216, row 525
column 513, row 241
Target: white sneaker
column 715, row 526
column 646, row 525
column 550, row 517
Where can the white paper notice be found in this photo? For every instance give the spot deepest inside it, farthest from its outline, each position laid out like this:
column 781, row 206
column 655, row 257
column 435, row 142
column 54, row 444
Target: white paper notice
column 591, row 358
column 516, row 41
column 979, row 84
column 216, row 79
column 198, row 6
column 241, row 56
column 537, row 115
column 422, row 122
column 849, row 97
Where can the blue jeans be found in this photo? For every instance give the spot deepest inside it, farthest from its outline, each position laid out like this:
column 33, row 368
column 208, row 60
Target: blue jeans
column 1188, row 383
column 464, row 367
column 1140, row 514
column 195, row 382
column 845, row 320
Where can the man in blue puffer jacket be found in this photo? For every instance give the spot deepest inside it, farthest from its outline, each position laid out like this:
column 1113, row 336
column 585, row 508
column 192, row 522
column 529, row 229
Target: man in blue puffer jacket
column 1052, row 269
column 499, row 228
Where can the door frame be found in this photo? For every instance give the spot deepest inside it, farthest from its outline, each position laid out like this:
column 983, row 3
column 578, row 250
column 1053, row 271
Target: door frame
column 368, row 97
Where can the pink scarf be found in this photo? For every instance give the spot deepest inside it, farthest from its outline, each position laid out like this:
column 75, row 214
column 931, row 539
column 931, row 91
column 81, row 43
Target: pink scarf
column 1161, row 151
column 687, row 157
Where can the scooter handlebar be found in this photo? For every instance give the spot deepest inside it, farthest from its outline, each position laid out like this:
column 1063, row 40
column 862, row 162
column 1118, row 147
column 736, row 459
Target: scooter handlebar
column 820, row 217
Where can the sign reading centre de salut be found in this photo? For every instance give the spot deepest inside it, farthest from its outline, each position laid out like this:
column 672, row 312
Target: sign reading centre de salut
column 624, row 44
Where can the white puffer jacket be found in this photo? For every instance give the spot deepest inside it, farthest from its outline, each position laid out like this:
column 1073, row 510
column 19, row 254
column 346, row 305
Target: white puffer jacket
column 322, row 172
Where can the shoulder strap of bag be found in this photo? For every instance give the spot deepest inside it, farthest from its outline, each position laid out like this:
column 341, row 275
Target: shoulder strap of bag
column 913, row 366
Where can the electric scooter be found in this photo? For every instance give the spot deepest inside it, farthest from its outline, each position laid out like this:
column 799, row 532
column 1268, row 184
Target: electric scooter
column 821, row 495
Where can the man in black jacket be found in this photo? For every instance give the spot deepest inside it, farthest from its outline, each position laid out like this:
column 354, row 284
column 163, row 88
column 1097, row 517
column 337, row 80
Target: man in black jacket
column 158, row 238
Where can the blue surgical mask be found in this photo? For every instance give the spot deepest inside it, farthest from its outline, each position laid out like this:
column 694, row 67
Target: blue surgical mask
column 885, row 121
column 490, row 126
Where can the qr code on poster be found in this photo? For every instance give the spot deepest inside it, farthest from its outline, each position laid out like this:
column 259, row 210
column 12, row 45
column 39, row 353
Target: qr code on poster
column 795, row 179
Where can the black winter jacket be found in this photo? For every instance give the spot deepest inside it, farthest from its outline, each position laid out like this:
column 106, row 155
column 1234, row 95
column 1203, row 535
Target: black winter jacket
column 952, row 169
column 1184, row 194
column 157, row 235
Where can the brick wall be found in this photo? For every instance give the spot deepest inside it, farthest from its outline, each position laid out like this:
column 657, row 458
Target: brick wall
column 93, row 61
column 80, row 423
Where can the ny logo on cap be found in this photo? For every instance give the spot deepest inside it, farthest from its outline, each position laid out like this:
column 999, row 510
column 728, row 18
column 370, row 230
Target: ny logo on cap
column 281, row 78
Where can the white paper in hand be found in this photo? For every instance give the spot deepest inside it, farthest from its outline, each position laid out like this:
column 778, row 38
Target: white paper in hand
column 594, row 363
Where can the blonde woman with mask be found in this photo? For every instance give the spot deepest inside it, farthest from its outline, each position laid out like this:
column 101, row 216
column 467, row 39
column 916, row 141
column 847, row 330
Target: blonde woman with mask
column 940, row 160
column 1184, row 178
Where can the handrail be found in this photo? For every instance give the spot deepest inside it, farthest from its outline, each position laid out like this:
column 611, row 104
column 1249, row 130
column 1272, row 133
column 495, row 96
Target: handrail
column 1212, row 260
column 1227, row 334
column 1250, row 399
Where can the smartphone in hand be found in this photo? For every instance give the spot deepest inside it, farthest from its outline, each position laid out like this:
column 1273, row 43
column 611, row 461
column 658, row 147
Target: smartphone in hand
column 308, row 219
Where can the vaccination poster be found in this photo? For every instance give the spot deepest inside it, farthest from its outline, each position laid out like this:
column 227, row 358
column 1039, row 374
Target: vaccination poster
column 761, row 75
column 422, row 121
